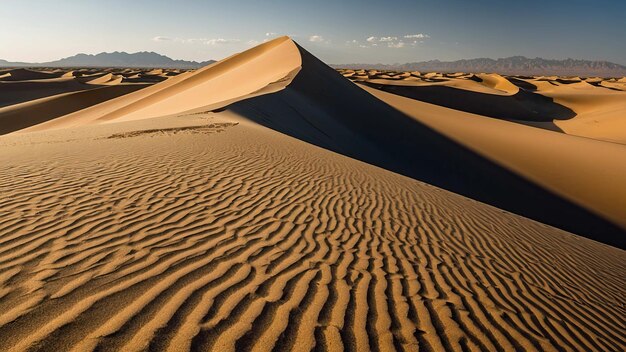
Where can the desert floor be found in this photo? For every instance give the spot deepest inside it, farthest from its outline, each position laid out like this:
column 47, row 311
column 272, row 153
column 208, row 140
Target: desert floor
column 265, row 202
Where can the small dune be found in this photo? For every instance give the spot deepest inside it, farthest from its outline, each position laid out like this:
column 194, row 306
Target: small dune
column 23, row 74
column 497, row 82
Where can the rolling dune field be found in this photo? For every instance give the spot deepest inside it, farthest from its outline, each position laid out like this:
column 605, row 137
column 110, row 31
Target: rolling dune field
column 265, row 202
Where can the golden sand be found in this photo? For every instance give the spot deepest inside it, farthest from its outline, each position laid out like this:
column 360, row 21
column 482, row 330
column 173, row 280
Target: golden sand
column 236, row 208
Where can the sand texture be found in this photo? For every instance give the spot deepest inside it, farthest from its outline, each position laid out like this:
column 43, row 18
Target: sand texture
column 265, row 202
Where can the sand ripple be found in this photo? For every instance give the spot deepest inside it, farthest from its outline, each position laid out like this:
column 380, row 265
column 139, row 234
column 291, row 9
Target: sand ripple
column 250, row 240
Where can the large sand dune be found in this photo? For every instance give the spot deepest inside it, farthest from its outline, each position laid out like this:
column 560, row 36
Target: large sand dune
column 322, row 108
column 224, row 81
column 186, row 216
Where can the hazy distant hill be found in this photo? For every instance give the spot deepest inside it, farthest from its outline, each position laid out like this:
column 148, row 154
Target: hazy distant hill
column 515, row 65
column 115, row 59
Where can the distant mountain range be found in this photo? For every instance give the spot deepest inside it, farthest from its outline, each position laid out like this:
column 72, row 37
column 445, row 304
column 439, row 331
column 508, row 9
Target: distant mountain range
column 515, row 65
column 142, row 59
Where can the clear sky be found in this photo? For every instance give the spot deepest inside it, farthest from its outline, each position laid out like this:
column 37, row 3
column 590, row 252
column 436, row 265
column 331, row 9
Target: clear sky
column 340, row 31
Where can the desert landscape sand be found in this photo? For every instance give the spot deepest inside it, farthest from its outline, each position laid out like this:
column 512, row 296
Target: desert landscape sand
column 591, row 107
column 30, row 97
column 266, row 202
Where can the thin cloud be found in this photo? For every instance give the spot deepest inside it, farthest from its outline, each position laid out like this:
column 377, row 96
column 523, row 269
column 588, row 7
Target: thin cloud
column 397, row 45
column 219, row 41
column 207, row 41
column 356, row 43
column 417, row 36
column 381, row 39
column 316, row 38
column 391, row 41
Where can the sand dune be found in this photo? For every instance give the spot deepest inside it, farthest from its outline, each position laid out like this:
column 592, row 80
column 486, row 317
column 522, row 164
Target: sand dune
column 326, row 115
column 247, row 239
column 549, row 160
column 107, row 79
column 208, row 86
column 28, row 102
column 31, row 113
column 462, row 84
column 172, row 219
column 600, row 111
column 22, row 91
column 591, row 108
column 21, row 74
column 484, row 94
column 521, row 106
column 497, row 82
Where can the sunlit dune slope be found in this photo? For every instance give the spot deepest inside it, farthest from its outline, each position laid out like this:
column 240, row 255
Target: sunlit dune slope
column 232, row 78
column 601, row 111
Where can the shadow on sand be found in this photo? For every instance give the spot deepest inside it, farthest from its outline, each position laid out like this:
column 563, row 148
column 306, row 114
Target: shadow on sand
column 522, row 106
column 325, row 109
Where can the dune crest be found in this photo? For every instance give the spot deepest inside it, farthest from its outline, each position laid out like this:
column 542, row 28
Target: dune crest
column 497, row 82
column 222, row 82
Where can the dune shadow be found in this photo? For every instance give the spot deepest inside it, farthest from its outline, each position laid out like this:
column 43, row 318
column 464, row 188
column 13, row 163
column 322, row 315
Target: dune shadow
column 522, row 106
column 20, row 92
column 22, row 74
column 146, row 79
column 520, row 83
column 323, row 108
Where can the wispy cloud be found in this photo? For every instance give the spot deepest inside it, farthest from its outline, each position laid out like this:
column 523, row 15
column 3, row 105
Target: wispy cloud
column 356, row 43
column 388, row 39
column 220, row 41
column 316, row 38
column 394, row 41
column 396, row 45
column 206, row 41
column 381, row 39
column 417, row 36
column 270, row 34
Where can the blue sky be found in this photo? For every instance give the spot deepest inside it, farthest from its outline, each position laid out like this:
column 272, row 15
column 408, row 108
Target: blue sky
column 335, row 31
